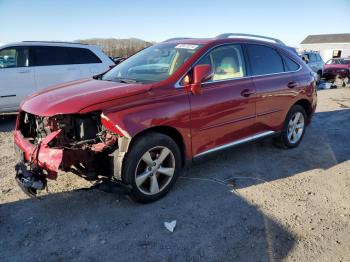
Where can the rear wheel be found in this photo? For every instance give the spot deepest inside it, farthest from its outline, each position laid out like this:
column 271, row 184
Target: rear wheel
column 151, row 167
column 294, row 128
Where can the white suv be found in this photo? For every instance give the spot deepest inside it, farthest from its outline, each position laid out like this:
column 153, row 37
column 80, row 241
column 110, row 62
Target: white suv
column 27, row 67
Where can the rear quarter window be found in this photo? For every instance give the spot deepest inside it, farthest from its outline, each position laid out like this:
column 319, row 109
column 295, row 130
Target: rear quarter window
column 264, row 60
column 83, row 56
column 290, row 65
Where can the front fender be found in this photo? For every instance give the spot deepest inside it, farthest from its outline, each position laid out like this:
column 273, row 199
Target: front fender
column 171, row 111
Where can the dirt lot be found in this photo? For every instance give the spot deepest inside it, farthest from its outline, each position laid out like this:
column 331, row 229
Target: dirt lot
column 291, row 205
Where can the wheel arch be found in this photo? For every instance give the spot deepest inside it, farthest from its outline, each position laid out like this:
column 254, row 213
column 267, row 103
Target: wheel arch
column 172, row 132
column 306, row 104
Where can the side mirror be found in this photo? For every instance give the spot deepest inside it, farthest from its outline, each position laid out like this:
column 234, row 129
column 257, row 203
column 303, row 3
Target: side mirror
column 306, row 59
column 201, row 73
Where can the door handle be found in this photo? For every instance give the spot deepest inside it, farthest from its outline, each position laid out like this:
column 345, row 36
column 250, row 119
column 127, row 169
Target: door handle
column 247, row 93
column 292, row 84
column 5, row 96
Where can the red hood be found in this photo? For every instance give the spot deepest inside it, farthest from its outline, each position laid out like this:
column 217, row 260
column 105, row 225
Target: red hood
column 72, row 97
column 337, row 66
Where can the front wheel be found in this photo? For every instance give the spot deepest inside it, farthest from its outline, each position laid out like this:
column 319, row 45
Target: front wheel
column 151, row 166
column 294, row 128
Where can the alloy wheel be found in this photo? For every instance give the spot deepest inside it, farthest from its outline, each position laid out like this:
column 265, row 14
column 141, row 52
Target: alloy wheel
column 155, row 170
column 296, row 127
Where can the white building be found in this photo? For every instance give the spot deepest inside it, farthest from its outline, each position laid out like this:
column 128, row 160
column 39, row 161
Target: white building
column 329, row 46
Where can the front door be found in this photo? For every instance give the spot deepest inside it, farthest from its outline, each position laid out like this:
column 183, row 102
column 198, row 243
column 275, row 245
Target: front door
column 16, row 77
column 225, row 110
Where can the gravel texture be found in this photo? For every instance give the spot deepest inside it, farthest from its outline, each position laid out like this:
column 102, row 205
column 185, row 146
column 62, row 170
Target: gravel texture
column 291, row 205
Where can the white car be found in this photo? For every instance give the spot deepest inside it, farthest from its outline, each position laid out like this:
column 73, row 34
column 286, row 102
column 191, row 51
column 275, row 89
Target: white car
column 27, row 67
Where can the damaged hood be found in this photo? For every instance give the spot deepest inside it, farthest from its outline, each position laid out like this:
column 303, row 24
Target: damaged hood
column 74, row 96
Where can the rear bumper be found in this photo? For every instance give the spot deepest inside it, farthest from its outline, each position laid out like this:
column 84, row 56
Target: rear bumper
column 41, row 155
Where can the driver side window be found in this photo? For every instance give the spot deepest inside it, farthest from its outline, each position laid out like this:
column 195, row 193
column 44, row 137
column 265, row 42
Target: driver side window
column 14, row 57
column 227, row 62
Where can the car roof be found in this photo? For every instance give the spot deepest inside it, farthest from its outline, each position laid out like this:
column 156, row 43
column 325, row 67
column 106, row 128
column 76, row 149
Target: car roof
column 46, row 43
column 228, row 38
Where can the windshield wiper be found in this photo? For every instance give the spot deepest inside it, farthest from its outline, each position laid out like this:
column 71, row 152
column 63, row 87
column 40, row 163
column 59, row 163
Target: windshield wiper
column 125, row 80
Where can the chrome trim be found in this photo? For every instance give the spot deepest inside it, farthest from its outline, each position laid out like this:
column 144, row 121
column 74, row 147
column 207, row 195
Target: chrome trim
column 235, row 143
column 177, row 84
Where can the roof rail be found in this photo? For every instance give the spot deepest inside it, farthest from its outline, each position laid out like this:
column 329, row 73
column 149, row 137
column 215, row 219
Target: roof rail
column 227, row 35
column 176, row 38
column 54, row 42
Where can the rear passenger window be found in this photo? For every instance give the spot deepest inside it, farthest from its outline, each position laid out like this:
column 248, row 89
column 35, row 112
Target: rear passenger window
column 83, row 56
column 290, row 64
column 51, row 55
column 264, row 60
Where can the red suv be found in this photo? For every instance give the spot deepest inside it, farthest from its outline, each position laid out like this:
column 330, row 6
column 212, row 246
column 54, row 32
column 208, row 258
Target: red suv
column 139, row 123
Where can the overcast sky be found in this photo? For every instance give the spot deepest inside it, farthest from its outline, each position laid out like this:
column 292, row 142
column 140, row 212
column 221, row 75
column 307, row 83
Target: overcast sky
column 156, row 20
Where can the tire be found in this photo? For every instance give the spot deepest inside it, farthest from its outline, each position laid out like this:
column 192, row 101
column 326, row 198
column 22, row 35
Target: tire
column 151, row 166
column 285, row 139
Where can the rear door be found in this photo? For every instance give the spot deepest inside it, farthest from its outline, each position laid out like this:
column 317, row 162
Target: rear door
column 88, row 63
column 275, row 84
column 53, row 65
column 225, row 110
column 16, row 77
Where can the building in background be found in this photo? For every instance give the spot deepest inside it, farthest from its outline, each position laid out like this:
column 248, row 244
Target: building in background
column 329, row 46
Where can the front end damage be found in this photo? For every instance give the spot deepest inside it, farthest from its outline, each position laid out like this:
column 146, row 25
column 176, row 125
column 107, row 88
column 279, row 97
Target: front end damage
column 85, row 144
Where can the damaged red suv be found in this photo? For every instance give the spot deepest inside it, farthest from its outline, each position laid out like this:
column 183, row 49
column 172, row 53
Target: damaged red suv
column 140, row 122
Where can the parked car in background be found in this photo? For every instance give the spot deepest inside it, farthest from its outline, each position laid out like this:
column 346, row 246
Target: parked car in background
column 337, row 67
column 174, row 101
column 314, row 61
column 27, row 67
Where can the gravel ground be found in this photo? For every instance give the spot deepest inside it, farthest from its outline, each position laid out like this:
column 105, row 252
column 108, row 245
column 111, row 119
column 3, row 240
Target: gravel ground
column 291, row 205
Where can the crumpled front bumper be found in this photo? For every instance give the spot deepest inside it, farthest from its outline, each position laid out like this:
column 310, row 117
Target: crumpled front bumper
column 40, row 155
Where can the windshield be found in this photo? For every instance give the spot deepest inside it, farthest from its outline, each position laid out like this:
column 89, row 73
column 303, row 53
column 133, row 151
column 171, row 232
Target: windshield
column 152, row 64
column 337, row 62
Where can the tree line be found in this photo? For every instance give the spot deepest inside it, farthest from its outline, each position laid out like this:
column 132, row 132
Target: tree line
column 118, row 47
